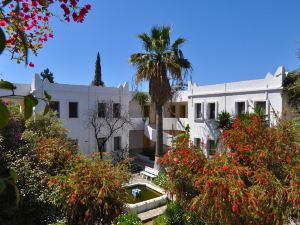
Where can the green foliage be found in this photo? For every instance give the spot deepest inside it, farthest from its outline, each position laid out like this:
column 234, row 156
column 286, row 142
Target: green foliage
column 7, row 85
column 36, row 152
column 177, row 215
column 48, row 126
column 47, row 74
column 160, row 220
column 4, row 115
column 296, row 126
column 129, row 219
column 160, row 51
column 160, row 62
column 255, row 181
column 224, row 120
column 98, row 74
column 291, row 86
column 59, row 222
column 2, row 41
column 161, row 180
column 91, row 190
column 29, row 102
column 142, row 99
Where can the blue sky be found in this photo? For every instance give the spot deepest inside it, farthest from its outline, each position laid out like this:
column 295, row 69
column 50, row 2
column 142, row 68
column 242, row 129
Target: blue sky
column 227, row 40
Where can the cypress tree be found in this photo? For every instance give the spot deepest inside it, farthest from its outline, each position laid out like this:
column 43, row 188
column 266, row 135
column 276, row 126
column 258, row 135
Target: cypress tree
column 98, row 75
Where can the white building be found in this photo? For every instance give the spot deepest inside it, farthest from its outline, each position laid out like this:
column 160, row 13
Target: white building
column 206, row 102
column 198, row 106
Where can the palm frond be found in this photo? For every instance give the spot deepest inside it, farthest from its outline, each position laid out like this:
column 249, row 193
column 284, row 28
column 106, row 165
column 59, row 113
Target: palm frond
column 177, row 43
column 160, row 63
column 147, row 42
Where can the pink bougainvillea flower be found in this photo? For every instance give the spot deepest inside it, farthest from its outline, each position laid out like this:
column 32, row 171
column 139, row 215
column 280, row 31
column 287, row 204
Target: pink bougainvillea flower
column 2, row 23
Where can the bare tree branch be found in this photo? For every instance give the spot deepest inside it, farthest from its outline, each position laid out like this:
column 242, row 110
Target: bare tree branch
column 106, row 122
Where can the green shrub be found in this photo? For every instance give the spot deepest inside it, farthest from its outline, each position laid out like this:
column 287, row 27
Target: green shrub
column 176, row 215
column 224, row 120
column 129, row 219
column 91, row 190
column 161, row 180
column 40, row 150
column 160, row 220
column 59, row 222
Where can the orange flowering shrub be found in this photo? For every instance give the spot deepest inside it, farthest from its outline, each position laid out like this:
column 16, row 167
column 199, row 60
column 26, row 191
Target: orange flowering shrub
column 91, row 190
column 54, row 153
column 256, row 180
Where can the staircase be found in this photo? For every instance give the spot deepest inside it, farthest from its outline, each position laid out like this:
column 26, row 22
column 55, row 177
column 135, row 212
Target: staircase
column 150, row 132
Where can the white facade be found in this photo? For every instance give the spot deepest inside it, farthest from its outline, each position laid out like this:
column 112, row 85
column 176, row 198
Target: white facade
column 229, row 97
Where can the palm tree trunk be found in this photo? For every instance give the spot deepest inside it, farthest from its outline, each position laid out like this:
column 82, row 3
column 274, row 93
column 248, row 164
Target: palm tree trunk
column 159, row 136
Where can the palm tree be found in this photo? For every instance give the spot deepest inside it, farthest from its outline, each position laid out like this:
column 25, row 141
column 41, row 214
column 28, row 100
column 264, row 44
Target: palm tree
column 160, row 62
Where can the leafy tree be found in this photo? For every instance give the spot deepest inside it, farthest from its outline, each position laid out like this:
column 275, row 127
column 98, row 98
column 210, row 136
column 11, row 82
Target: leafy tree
column 91, row 190
column 47, row 74
column 160, row 62
column 291, row 87
column 255, row 181
column 40, row 150
column 98, row 74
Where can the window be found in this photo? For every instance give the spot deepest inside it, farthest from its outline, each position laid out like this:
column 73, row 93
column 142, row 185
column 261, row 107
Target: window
column 211, row 111
column 101, row 141
column 101, row 110
column 211, row 147
column 146, row 111
column 172, row 111
column 198, row 109
column 73, row 109
column 117, row 143
column 260, row 107
column 182, row 111
column 240, row 108
column 117, row 110
column 197, row 142
column 54, row 106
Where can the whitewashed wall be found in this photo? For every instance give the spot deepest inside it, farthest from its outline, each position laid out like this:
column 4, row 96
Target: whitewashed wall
column 226, row 95
column 87, row 98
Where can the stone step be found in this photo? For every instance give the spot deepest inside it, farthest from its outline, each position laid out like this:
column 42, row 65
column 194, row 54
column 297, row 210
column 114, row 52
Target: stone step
column 148, row 215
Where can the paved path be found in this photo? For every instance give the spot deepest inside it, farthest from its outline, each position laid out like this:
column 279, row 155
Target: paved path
column 145, row 216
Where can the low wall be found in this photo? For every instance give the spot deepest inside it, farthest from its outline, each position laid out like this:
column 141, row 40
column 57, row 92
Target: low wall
column 149, row 204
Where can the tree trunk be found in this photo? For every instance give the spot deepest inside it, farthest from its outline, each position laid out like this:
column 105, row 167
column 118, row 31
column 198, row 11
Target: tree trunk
column 99, row 145
column 159, row 136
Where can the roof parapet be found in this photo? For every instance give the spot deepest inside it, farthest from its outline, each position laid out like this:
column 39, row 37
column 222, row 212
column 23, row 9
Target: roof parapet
column 280, row 71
